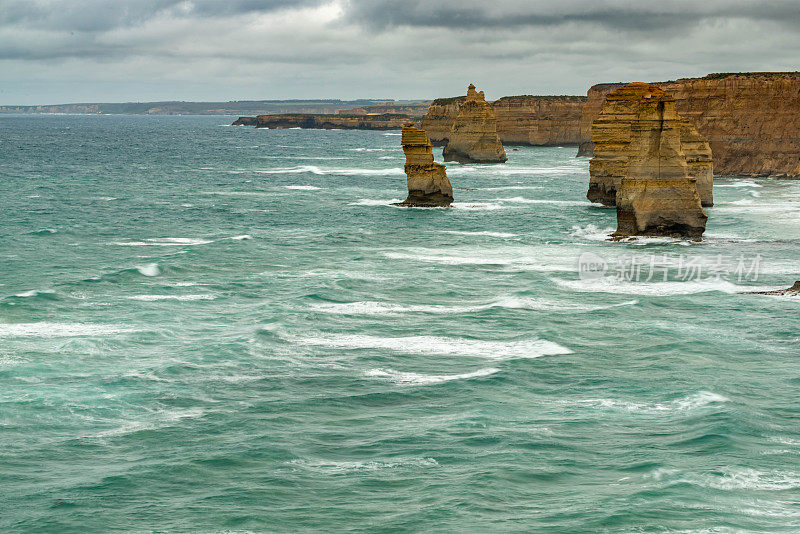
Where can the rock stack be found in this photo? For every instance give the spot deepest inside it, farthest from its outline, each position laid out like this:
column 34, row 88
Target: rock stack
column 656, row 196
column 611, row 138
column 750, row 119
column 698, row 159
column 428, row 185
column 473, row 138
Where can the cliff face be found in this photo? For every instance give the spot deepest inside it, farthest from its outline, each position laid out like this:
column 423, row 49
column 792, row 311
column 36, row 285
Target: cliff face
column 751, row 120
column 521, row 120
column 327, row 122
column 539, row 120
column 440, row 117
column 612, row 139
column 474, row 138
column 656, row 196
column 428, row 185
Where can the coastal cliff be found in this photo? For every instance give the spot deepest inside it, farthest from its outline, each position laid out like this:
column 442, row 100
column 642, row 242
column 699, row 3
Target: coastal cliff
column 474, row 138
column 751, row 120
column 387, row 121
column 428, row 185
column 656, row 196
column 438, row 121
column 539, row 120
column 521, row 120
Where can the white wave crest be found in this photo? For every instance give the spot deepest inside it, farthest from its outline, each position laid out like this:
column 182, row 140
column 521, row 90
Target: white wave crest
column 513, row 303
column 522, row 200
column 302, row 187
column 654, row 289
column 151, row 298
column 484, row 233
column 592, row 232
column 60, row 330
column 493, row 350
column 415, row 379
column 241, row 237
column 163, row 242
column 339, row 172
column 691, row 402
column 730, row 478
column 331, row 466
column 151, row 269
column 375, row 202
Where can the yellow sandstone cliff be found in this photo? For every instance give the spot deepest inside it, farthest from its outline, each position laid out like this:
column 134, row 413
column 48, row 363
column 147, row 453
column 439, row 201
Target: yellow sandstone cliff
column 438, row 121
column 428, row 185
column 473, row 138
column 539, row 120
column 657, row 196
column 751, row 120
column 521, row 120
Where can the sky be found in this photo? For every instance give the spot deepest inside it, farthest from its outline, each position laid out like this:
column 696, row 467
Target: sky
column 61, row 51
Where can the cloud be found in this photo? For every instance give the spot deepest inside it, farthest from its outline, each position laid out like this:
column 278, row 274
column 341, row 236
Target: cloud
column 68, row 50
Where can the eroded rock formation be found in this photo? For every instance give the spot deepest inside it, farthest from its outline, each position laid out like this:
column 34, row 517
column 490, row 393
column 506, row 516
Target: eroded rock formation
column 656, row 196
column 473, row 138
column 611, row 136
column 428, row 185
column 751, row 120
column 521, row 120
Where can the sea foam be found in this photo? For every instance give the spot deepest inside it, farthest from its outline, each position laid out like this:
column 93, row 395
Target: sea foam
column 493, row 350
column 415, row 379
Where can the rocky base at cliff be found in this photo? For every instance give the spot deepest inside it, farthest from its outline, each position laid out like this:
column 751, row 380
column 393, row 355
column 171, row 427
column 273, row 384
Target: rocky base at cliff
column 793, row 291
column 245, row 121
column 387, row 121
column 428, row 185
column 473, row 138
column 612, row 138
column 751, row 119
column 638, row 140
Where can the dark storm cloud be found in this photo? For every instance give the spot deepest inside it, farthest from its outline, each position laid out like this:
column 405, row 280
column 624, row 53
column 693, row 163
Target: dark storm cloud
column 105, row 15
column 640, row 15
column 209, row 49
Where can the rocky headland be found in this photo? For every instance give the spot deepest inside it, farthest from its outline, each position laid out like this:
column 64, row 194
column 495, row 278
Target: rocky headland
column 428, row 185
column 387, row 121
column 473, row 138
column 612, row 138
column 641, row 132
column 751, row 120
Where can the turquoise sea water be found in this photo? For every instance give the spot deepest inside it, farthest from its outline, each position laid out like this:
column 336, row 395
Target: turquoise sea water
column 216, row 329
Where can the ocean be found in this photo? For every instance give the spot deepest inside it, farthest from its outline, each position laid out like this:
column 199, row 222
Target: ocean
column 207, row 328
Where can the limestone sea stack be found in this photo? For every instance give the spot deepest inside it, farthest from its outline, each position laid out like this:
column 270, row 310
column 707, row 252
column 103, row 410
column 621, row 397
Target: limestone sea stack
column 611, row 138
column 473, row 138
column 751, row 119
column 428, row 185
column 656, row 197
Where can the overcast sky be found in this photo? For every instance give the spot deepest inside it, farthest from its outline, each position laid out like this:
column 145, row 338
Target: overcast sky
column 56, row 51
